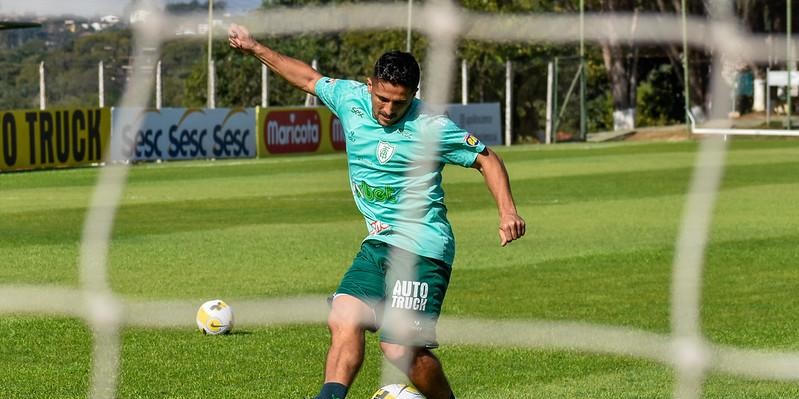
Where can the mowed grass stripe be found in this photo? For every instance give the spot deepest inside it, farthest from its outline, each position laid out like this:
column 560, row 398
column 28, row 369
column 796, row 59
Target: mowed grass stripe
column 141, row 192
column 313, row 206
column 239, row 262
column 619, row 185
column 179, row 170
column 743, row 282
column 154, row 183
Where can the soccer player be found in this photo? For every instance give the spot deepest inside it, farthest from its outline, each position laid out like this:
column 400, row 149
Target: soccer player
column 399, row 194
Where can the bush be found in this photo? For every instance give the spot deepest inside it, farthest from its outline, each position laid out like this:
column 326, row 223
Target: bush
column 660, row 99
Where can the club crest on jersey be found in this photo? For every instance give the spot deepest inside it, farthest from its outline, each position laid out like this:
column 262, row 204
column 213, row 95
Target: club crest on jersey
column 385, row 151
column 471, row 140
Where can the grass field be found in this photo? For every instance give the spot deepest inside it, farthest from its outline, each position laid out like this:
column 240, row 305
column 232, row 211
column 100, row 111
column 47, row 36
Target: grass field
column 602, row 224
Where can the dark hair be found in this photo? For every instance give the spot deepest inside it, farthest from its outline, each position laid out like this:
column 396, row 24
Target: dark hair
column 399, row 68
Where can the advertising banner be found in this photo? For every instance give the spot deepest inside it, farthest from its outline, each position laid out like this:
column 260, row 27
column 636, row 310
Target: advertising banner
column 482, row 120
column 183, row 133
column 289, row 130
column 35, row 139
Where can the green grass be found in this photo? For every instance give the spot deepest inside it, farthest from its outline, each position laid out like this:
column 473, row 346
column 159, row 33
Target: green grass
column 602, row 224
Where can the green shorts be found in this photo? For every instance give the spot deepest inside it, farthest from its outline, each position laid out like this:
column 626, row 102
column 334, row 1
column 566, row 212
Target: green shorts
column 405, row 290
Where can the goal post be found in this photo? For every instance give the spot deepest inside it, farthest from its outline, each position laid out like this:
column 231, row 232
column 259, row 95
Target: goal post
column 566, row 99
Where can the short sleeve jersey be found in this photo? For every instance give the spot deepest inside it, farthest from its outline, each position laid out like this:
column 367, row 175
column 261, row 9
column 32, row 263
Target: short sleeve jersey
column 395, row 178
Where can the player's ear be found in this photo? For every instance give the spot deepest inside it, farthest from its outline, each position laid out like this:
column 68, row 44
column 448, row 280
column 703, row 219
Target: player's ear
column 369, row 85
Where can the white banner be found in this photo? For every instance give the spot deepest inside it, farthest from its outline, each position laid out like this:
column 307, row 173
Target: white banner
column 481, row 120
column 184, row 133
column 780, row 78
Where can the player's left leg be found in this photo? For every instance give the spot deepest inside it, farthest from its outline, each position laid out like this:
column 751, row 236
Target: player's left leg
column 422, row 367
column 415, row 291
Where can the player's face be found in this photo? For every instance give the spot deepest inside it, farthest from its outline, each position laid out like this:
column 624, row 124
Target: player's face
column 389, row 101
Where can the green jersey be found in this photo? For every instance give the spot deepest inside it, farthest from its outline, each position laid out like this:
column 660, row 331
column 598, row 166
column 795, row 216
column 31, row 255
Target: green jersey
column 396, row 189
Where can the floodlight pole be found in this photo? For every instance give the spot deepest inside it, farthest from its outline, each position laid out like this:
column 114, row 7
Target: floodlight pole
column 410, row 17
column 211, row 89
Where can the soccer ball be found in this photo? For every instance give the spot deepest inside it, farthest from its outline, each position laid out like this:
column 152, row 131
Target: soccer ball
column 215, row 317
column 397, row 391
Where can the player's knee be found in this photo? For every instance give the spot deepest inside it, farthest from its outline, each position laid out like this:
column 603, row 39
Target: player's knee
column 398, row 355
column 349, row 314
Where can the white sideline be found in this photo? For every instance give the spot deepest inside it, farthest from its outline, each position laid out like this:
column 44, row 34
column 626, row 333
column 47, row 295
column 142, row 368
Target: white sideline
column 736, row 131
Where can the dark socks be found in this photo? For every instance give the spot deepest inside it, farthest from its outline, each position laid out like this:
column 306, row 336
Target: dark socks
column 332, row 390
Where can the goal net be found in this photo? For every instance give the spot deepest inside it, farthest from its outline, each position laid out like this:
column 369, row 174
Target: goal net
column 443, row 24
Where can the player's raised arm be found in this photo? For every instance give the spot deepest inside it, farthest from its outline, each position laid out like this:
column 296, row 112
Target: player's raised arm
column 511, row 225
column 296, row 72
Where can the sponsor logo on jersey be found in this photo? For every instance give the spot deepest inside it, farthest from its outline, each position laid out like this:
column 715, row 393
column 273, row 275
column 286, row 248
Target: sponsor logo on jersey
column 330, row 81
column 358, row 111
column 377, row 227
column 385, row 151
column 402, row 132
column 409, row 295
column 375, row 194
column 471, row 140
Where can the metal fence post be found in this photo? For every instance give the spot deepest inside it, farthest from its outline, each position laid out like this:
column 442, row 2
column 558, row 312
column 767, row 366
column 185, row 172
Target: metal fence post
column 42, row 100
column 264, row 86
column 464, row 83
column 508, row 102
column 100, row 85
column 158, row 85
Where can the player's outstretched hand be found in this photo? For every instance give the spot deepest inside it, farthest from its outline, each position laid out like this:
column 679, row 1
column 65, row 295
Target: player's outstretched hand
column 240, row 38
column 511, row 227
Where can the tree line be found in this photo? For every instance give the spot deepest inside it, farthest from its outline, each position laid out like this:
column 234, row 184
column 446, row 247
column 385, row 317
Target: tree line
column 620, row 75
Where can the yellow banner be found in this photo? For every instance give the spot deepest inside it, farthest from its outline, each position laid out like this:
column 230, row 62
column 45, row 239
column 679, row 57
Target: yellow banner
column 34, row 139
column 298, row 130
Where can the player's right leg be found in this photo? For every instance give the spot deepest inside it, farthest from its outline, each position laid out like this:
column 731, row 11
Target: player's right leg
column 348, row 320
column 352, row 313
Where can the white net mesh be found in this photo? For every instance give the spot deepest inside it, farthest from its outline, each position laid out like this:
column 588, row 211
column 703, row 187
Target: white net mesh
column 685, row 349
